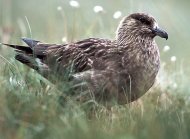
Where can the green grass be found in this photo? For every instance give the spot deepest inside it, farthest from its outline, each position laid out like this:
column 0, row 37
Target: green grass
column 30, row 106
column 32, row 110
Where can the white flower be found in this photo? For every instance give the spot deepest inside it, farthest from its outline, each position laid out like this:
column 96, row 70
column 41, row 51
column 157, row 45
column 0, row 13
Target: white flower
column 59, row 8
column 166, row 48
column 98, row 9
column 117, row 14
column 175, row 85
column 173, row 58
column 64, row 39
column 74, row 3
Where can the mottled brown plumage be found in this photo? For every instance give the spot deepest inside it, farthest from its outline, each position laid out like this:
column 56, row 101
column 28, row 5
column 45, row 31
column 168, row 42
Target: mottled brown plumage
column 119, row 71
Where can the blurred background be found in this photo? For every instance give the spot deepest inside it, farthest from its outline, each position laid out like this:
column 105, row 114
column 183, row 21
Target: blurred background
column 65, row 20
column 30, row 107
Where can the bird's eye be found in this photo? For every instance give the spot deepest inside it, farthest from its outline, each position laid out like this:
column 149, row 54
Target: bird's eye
column 144, row 21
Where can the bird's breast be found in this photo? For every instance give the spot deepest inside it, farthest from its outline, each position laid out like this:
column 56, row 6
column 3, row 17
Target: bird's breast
column 144, row 68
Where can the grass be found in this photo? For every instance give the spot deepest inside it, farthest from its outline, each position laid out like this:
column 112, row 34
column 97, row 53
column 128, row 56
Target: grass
column 31, row 109
column 30, row 105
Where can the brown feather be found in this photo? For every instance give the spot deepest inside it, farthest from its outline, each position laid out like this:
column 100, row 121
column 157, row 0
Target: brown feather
column 119, row 70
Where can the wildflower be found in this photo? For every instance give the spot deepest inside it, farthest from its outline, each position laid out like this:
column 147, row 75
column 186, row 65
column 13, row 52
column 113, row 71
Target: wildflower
column 173, row 58
column 64, row 39
column 59, row 8
column 98, row 9
column 166, row 48
column 74, row 3
column 175, row 85
column 117, row 14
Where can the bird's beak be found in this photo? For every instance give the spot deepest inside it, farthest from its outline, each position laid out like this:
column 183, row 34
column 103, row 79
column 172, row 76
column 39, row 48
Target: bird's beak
column 160, row 32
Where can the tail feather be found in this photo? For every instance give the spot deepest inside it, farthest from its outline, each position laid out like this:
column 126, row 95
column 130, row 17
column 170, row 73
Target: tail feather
column 33, row 63
column 20, row 48
column 27, row 60
column 31, row 55
column 30, row 42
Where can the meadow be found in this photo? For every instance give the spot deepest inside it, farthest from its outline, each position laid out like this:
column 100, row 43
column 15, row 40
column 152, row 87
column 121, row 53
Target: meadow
column 30, row 106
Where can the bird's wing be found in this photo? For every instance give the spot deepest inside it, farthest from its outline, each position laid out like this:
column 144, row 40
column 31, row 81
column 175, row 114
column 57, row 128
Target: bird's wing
column 82, row 55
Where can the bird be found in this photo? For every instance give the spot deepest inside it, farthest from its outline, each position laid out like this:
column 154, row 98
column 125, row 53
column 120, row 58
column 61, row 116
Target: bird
column 117, row 71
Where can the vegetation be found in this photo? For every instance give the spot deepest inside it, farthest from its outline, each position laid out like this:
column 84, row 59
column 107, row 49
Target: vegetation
column 31, row 107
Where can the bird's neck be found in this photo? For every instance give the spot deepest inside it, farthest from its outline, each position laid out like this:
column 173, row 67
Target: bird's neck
column 133, row 42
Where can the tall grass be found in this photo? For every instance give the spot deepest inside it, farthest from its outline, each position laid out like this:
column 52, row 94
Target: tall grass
column 31, row 107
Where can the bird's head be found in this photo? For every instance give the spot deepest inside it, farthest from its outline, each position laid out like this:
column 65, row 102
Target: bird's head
column 140, row 25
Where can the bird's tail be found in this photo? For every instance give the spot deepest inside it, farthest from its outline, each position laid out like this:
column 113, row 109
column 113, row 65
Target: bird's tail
column 27, row 55
column 27, row 60
column 19, row 48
